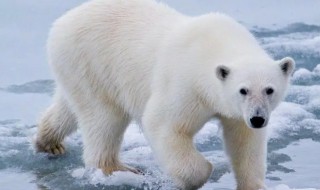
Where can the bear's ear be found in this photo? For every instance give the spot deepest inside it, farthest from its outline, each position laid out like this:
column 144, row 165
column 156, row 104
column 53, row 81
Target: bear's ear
column 287, row 65
column 222, row 72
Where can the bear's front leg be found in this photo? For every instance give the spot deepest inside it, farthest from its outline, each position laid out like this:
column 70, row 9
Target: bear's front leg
column 177, row 154
column 170, row 136
column 247, row 151
column 189, row 169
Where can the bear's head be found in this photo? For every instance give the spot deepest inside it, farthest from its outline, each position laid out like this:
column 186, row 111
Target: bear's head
column 253, row 89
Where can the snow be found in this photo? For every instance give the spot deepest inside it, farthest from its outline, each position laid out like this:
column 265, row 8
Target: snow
column 304, row 76
column 26, row 91
column 94, row 176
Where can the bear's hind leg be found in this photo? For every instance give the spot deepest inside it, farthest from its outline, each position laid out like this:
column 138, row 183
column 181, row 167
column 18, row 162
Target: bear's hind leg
column 57, row 122
column 103, row 124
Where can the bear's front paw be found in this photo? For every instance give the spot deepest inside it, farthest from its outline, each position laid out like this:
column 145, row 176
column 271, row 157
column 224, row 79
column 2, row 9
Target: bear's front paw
column 192, row 173
column 121, row 167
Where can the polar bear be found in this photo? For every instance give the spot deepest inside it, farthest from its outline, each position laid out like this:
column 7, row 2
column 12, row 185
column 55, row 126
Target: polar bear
column 120, row 60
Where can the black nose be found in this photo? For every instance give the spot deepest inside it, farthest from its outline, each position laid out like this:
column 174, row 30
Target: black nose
column 257, row 122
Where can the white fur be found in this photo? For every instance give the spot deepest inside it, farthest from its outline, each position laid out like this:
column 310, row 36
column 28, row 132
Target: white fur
column 121, row 60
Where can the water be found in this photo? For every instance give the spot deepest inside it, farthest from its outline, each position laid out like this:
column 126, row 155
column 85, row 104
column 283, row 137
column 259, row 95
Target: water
column 26, row 89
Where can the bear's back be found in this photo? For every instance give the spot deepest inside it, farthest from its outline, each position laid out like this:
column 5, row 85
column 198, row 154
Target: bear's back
column 112, row 44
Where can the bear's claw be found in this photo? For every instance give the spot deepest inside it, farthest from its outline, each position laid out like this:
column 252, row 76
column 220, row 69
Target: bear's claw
column 51, row 148
column 110, row 170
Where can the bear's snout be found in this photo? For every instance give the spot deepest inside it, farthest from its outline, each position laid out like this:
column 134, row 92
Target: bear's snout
column 257, row 122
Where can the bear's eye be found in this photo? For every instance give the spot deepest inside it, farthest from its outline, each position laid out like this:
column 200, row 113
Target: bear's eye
column 243, row 91
column 269, row 91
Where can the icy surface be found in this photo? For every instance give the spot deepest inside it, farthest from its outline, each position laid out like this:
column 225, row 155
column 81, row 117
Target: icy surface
column 26, row 90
